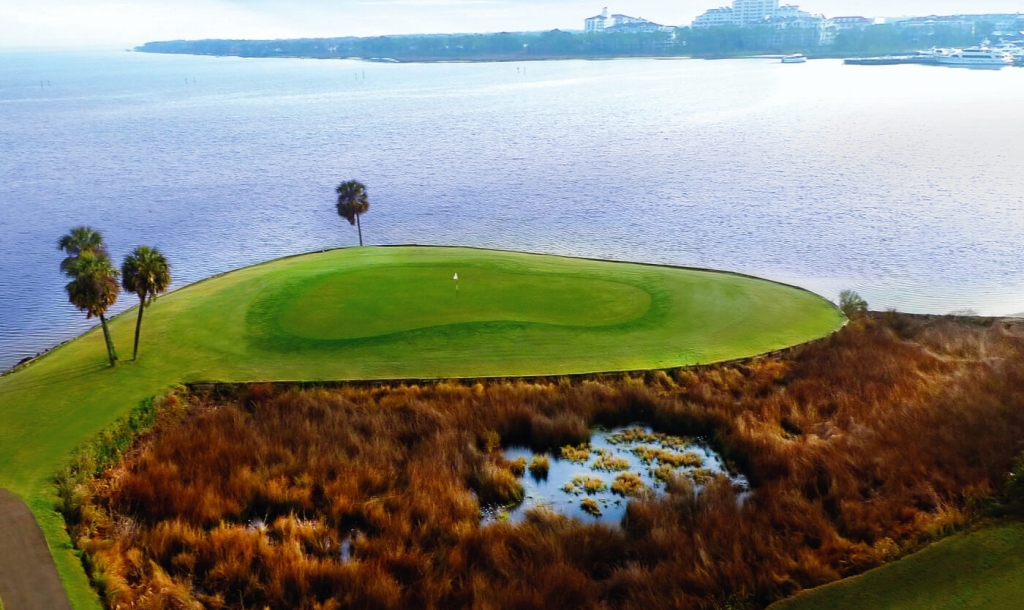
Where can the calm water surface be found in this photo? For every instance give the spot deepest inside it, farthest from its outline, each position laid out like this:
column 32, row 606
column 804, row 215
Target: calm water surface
column 904, row 183
column 548, row 489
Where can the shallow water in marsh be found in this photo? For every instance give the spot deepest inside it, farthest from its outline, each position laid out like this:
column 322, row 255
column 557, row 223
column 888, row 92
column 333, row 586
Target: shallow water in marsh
column 609, row 454
column 901, row 182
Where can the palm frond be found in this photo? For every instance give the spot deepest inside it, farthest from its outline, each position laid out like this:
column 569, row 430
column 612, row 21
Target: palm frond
column 146, row 272
column 352, row 200
column 94, row 288
column 78, row 241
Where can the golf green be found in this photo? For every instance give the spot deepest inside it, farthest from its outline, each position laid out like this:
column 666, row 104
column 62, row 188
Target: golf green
column 359, row 304
column 370, row 313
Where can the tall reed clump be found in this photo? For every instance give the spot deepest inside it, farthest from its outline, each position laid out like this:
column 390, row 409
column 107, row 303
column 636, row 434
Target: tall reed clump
column 860, row 448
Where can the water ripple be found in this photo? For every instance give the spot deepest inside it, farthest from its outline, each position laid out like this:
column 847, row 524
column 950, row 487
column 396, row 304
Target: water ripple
column 903, row 184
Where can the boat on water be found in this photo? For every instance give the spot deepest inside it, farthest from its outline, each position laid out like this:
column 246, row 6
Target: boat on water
column 975, row 57
column 796, row 58
column 933, row 55
column 1015, row 51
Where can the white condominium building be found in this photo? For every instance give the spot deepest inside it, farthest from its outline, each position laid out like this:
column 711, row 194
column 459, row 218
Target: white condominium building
column 714, row 18
column 752, row 12
column 597, row 23
column 621, row 24
column 743, row 13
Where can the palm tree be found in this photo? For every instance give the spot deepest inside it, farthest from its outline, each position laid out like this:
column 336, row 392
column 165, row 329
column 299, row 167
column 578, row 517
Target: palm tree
column 94, row 289
column 94, row 286
column 77, row 241
column 352, row 203
column 147, row 273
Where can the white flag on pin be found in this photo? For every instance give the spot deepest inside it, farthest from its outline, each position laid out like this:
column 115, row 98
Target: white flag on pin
column 456, row 278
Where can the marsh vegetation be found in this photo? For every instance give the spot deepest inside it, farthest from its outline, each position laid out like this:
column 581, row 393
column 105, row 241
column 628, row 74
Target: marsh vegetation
column 859, row 448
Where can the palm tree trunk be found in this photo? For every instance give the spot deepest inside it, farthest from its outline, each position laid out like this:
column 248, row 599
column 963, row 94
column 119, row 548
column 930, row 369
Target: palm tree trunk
column 111, row 353
column 138, row 327
column 360, row 227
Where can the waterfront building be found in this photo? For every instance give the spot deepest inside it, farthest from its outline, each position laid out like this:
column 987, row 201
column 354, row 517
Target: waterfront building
column 849, row 23
column 715, row 17
column 831, row 28
column 752, row 13
column 788, row 12
column 807, row 22
column 790, row 17
column 748, row 13
column 621, row 24
column 1008, row 22
column 624, row 24
column 596, row 23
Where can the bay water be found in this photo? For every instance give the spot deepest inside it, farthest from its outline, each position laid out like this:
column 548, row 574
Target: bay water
column 904, row 183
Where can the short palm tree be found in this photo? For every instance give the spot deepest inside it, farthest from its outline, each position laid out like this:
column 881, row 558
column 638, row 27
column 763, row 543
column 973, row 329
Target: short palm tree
column 147, row 273
column 94, row 289
column 352, row 203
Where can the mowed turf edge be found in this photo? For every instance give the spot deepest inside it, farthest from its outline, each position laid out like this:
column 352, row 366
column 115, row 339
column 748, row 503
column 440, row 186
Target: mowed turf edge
column 199, row 332
column 981, row 569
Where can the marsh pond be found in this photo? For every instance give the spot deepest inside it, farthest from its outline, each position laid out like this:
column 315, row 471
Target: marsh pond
column 594, row 481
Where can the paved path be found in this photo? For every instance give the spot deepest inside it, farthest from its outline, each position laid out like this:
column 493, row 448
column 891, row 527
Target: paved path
column 28, row 578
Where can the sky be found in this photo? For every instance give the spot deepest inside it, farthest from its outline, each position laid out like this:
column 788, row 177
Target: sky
column 126, row 23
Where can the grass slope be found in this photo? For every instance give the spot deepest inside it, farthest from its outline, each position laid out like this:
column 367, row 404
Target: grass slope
column 981, row 569
column 515, row 314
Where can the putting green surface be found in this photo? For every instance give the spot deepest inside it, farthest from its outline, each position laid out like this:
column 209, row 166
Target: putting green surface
column 367, row 313
column 979, row 570
column 358, row 304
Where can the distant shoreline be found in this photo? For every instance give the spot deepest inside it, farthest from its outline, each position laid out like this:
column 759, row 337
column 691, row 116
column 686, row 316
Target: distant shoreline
column 435, row 59
column 441, row 60
column 487, row 48
column 491, row 58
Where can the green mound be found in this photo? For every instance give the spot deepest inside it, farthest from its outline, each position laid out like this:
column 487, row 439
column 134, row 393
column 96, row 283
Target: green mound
column 366, row 313
column 367, row 303
column 983, row 569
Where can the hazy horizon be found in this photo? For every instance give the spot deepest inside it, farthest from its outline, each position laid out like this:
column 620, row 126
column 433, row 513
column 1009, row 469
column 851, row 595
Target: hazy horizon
column 119, row 23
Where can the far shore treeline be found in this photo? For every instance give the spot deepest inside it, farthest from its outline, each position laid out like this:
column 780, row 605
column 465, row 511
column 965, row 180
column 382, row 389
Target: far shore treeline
column 726, row 41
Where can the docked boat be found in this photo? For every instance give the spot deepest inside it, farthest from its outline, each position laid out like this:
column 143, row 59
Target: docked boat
column 1016, row 52
column 796, row 58
column 976, row 57
column 932, row 55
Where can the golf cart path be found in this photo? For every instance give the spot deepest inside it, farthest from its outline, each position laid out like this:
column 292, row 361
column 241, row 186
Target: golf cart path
column 28, row 577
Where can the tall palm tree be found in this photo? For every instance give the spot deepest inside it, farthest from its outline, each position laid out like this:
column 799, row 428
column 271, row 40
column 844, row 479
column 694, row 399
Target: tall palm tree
column 147, row 273
column 77, row 241
column 94, row 289
column 352, row 203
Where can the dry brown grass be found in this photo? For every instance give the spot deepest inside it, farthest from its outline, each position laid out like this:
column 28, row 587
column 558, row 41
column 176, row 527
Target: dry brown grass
column 629, row 484
column 539, row 466
column 590, row 506
column 648, row 454
column 582, row 483
column 859, row 448
column 609, row 462
column 576, row 454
